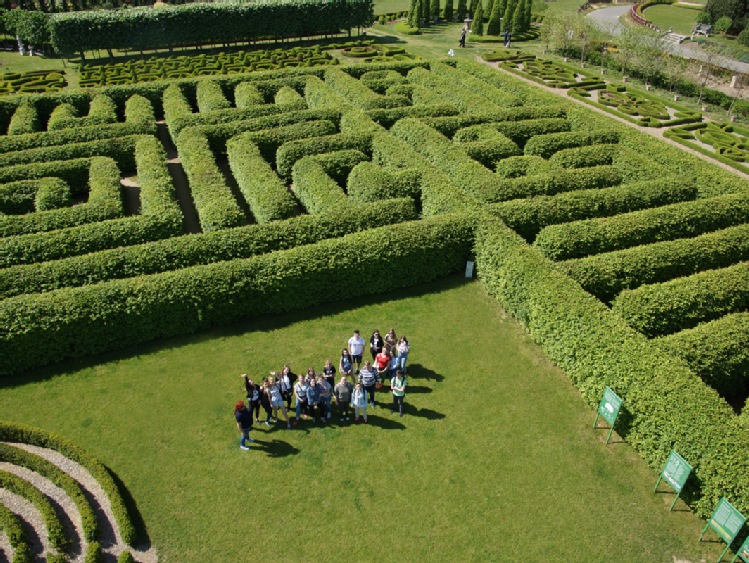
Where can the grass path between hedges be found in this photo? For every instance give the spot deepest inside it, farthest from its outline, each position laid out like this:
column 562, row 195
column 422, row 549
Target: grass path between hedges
column 495, row 459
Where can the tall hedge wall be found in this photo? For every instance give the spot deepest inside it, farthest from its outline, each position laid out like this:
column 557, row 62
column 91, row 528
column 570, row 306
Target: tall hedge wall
column 665, row 405
column 198, row 24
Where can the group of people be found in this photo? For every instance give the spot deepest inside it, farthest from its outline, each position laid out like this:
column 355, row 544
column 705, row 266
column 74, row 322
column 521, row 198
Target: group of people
column 314, row 393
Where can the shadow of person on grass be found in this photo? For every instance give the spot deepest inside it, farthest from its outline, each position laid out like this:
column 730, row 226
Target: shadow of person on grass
column 429, row 414
column 417, row 371
column 275, row 447
column 382, row 420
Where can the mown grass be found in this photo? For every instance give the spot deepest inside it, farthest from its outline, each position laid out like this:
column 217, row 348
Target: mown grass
column 495, row 460
column 680, row 20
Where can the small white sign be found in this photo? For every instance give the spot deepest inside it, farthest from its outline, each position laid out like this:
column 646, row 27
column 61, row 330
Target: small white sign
column 469, row 269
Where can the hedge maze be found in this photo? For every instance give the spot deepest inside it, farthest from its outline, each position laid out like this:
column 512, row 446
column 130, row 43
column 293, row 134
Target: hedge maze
column 625, row 261
column 81, row 511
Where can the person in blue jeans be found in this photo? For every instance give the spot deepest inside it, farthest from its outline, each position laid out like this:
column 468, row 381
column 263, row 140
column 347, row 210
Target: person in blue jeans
column 403, row 349
column 326, row 394
column 244, row 422
column 313, row 400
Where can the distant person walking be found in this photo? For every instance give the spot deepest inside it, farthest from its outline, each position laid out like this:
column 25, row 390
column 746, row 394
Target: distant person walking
column 244, row 422
column 507, row 38
column 463, row 32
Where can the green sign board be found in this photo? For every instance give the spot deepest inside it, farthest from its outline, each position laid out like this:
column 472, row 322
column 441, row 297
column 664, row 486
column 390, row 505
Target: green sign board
column 676, row 472
column 743, row 552
column 727, row 522
column 608, row 408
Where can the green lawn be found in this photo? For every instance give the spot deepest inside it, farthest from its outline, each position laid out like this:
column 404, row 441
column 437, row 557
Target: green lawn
column 495, row 460
column 680, row 20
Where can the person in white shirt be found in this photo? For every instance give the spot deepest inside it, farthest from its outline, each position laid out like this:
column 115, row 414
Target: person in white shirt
column 356, row 348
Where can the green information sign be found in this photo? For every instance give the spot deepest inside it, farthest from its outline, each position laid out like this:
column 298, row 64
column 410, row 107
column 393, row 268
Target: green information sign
column 608, row 408
column 676, row 472
column 727, row 522
column 743, row 552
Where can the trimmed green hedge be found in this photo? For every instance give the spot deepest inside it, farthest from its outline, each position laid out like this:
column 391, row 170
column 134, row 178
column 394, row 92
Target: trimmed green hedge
column 53, row 195
column 49, row 470
column 450, row 125
column 497, row 95
column 585, row 157
column 317, row 191
column 25, row 120
column 265, row 193
column 683, row 303
column 555, row 182
column 210, row 97
column 717, row 351
column 369, row 182
column 442, row 88
column 518, row 166
column 605, row 275
column 528, row 216
column 547, row 145
column 74, row 172
column 62, row 116
column 680, row 220
column 43, row 328
column 596, row 348
column 102, row 111
column 217, row 208
column 12, row 527
column 21, row 487
column 192, row 250
column 94, row 553
column 104, row 202
column 289, row 99
column 160, row 218
column 293, row 150
column 246, row 95
column 125, row 557
column 357, row 93
column 19, row 197
column 388, row 117
column 485, row 144
column 339, row 164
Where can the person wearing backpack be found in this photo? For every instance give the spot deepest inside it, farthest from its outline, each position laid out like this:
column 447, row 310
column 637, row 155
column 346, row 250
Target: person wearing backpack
column 398, row 387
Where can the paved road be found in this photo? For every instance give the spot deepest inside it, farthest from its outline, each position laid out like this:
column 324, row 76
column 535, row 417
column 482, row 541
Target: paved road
column 607, row 19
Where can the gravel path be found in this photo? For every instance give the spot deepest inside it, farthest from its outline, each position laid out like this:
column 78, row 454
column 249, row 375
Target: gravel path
column 6, row 551
column 33, row 524
column 110, row 538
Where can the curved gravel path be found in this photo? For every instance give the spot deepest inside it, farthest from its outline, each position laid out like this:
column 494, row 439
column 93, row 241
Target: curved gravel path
column 33, row 523
column 110, row 538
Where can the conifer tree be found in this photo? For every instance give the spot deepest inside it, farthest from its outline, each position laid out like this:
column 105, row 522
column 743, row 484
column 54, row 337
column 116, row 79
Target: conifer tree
column 478, row 18
column 425, row 11
column 462, row 10
column 507, row 17
column 449, row 10
column 528, row 14
column 518, row 17
column 489, row 7
column 435, row 10
column 494, row 26
column 413, row 13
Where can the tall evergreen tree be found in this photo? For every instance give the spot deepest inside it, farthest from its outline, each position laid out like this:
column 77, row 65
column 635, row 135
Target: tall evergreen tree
column 518, row 17
column 425, row 9
column 462, row 10
column 449, row 10
column 413, row 13
column 435, row 10
column 507, row 17
column 489, row 7
column 494, row 27
column 478, row 18
column 528, row 14
column 472, row 8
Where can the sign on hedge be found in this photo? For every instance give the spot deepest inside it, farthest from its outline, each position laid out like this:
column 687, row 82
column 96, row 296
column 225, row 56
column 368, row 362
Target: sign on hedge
column 727, row 522
column 676, row 472
column 608, row 408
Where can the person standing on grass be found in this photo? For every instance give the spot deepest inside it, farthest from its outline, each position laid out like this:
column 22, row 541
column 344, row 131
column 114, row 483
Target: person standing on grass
column 356, row 348
column 463, row 32
column 265, row 401
column 345, row 365
column 253, row 396
column 313, row 400
column 359, row 400
column 403, row 349
column 276, row 399
column 398, row 387
column 368, row 378
column 244, row 424
column 300, row 391
column 391, row 342
column 328, row 372
column 342, row 393
column 375, row 344
column 286, row 381
column 382, row 363
column 326, row 393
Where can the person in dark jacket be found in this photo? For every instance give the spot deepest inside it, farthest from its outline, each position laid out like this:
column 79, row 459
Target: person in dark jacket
column 243, row 418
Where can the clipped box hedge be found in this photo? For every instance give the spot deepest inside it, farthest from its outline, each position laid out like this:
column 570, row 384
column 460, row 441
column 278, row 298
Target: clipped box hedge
column 20, row 197
column 388, row 117
column 449, row 125
column 210, row 97
column 317, row 191
column 717, row 351
column 683, row 303
column 358, row 94
column 370, row 182
column 528, row 216
column 104, row 202
column 25, row 120
column 547, row 145
column 291, row 151
column 665, row 405
column 205, row 248
column 43, row 328
column 554, row 182
column 680, row 220
column 585, row 157
column 605, row 275
column 485, row 144
column 102, row 111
